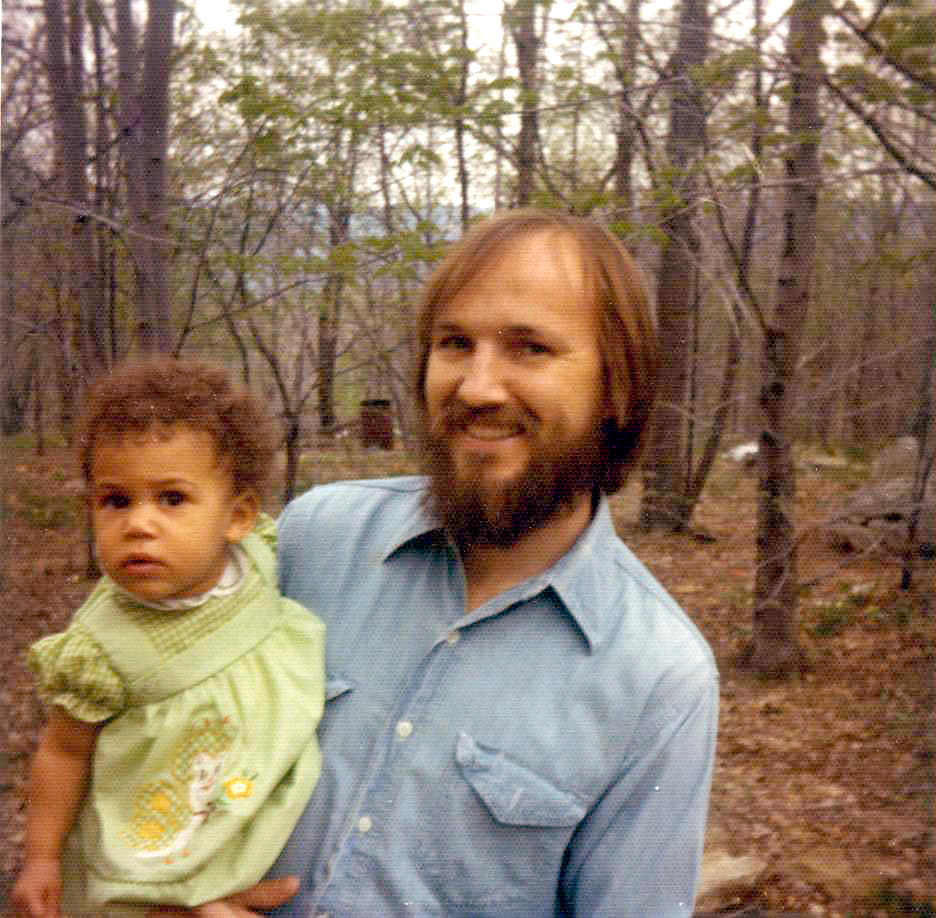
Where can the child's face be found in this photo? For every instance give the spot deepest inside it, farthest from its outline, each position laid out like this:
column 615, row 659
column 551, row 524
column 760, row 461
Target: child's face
column 164, row 511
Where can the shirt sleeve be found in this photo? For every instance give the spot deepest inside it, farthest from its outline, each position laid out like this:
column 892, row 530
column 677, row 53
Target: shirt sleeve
column 638, row 852
column 74, row 673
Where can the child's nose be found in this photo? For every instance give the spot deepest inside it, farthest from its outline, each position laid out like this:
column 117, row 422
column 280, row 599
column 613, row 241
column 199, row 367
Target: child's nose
column 140, row 519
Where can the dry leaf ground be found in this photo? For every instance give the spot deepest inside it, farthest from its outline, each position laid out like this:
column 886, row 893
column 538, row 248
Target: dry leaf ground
column 829, row 778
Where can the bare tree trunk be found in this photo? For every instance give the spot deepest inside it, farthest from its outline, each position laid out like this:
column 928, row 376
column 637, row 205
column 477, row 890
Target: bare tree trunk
column 663, row 503
column 329, row 315
column 926, row 438
column 460, row 100
column 742, row 262
column 103, row 234
column 774, row 649
column 499, row 129
column 293, row 455
column 66, row 79
column 144, row 140
column 626, row 132
column 65, row 369
column 521, row 19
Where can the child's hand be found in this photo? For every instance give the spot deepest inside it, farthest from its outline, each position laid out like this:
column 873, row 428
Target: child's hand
column 266, row 894
column 38, row 889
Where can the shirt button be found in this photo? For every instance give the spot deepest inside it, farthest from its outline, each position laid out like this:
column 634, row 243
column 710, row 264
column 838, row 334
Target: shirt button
column 452, row 638
column 403, row 729
column 364, row 824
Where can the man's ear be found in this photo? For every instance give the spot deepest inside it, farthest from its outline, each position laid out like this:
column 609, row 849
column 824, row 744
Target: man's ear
column 244, row 512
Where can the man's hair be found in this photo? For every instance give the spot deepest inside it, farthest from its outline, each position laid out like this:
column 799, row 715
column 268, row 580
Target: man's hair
column 159, row 392
column 613, row 286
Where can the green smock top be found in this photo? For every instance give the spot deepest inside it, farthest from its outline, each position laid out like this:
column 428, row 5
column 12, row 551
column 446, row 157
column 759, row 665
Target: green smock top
column 209, row 752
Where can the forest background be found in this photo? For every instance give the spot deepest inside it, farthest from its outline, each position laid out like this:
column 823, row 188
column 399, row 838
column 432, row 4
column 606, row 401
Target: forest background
column 272, row 194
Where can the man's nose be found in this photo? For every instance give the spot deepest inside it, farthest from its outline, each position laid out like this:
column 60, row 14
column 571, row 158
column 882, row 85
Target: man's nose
column 484, row 378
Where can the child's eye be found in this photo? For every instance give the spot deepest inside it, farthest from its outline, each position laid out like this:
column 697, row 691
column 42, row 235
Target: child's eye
column 453, row 342
column 172, row 498
column 114, row 501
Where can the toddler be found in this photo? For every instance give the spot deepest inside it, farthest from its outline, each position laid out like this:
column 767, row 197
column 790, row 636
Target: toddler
column 184, row 696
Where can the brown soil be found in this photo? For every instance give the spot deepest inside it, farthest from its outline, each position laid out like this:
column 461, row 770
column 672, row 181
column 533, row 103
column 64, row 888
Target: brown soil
column 827, row 778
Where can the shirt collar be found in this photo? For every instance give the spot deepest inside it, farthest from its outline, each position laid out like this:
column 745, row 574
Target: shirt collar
column 579, row 579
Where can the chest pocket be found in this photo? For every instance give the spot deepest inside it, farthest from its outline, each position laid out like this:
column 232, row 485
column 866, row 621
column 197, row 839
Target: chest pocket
column 335, row 686
column 505, row 861
column 514, row 795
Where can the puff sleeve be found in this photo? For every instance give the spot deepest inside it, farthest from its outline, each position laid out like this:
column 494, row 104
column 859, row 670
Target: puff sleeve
column 74, row 673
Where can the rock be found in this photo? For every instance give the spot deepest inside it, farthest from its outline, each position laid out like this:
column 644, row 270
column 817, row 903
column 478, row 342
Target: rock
column 876, row 518
column 832, row 871
column 896, row 460
column 745, row 453
column 725, row 878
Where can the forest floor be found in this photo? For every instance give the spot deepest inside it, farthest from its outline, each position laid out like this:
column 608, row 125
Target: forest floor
column 828, row 778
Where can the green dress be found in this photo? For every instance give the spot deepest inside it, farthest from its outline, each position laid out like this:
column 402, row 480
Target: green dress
column 208, row 753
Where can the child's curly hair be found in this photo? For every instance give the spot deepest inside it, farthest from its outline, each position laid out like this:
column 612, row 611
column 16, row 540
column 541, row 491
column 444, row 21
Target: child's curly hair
column 162, row 391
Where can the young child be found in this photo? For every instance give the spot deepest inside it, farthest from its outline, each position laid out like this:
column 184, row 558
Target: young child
column 180, row 747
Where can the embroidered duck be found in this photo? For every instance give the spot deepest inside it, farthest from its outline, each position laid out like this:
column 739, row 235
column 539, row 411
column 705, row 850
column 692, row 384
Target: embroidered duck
column 206, row 771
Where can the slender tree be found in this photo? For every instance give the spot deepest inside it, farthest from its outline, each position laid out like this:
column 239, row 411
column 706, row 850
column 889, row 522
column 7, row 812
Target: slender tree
column 775, row 649
column 65, row 63
column 144, row 144
column 520, row 18
column 664, row 496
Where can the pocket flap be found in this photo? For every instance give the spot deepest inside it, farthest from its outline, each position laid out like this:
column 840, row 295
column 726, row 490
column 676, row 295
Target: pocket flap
column 335, row 686
column 515, row 795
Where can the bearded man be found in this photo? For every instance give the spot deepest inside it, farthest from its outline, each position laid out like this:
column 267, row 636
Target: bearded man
column 521, row 722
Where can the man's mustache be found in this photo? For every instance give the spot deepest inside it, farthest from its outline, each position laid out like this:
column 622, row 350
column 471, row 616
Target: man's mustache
column 456, row 415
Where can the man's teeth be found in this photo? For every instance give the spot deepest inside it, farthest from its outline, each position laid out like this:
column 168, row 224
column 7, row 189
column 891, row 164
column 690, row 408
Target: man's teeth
column 493, row 433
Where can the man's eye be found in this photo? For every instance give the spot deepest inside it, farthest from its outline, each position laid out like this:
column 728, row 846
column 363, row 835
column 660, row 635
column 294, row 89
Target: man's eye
column 534, row 348
column 172, row 498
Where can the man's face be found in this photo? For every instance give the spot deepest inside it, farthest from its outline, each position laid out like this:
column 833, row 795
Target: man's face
column 515, row 394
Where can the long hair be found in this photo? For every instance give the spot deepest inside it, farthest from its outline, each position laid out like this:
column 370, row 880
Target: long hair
column 614, row 288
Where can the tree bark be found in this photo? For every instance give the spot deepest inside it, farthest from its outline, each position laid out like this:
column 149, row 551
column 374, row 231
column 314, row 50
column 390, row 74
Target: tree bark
column 626, row 132
column 329, row 318
column 66, row 79
column 144, row 141
column 521, row 18
column 664, row 502
column 774, row 649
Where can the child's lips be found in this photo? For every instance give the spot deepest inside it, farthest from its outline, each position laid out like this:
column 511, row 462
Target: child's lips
column 141, row 565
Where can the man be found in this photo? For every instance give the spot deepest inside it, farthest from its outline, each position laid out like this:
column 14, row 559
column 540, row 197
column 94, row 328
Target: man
column 520, row 721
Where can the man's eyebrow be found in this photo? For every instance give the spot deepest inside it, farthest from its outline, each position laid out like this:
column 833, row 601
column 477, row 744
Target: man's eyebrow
column 158, row 483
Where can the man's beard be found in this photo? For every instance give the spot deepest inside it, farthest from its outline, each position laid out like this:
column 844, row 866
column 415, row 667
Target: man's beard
column 480, row 512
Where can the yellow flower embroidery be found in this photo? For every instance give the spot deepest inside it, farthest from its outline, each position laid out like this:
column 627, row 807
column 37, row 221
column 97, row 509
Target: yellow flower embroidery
column 150, row 830
column 237, row 788
column 160, row 802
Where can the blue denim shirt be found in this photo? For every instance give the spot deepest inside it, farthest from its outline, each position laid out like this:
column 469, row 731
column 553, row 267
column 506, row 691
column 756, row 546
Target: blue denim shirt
column 547, row 754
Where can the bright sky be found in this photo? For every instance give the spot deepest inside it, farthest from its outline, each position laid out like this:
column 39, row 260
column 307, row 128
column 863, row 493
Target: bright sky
column 484, row 17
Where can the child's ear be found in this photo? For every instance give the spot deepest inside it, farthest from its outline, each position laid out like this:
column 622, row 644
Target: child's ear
column 244, row 514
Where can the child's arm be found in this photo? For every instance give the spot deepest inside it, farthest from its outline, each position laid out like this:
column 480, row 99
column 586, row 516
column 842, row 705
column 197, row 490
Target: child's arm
column 56, row 788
